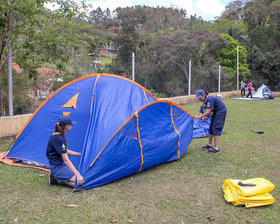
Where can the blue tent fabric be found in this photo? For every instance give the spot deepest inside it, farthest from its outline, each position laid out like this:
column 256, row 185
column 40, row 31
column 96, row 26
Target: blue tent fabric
column 113, row 98
column 121, row 128
column 182, row 121
column 201, row 129
column 32, row 142
column 141, row 143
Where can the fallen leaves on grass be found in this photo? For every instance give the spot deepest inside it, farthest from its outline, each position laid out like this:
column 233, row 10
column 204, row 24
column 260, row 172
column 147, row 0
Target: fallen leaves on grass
column 209, row 219
column 71, row 205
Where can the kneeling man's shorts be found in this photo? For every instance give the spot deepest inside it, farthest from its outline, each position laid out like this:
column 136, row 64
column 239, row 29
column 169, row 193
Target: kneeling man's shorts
column 62, row 173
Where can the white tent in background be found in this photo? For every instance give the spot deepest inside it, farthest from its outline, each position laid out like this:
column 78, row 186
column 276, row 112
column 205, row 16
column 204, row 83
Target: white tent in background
column 263, row 92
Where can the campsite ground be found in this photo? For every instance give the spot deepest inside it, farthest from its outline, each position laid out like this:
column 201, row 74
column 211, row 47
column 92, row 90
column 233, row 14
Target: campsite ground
column 185, row 191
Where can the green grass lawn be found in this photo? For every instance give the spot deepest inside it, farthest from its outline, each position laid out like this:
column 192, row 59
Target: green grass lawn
column 185, row 191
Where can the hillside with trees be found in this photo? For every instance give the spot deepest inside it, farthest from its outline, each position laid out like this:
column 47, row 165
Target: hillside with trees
column 164, row 40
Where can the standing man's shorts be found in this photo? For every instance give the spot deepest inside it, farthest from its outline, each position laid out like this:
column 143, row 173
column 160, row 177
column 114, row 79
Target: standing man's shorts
column 217, row 122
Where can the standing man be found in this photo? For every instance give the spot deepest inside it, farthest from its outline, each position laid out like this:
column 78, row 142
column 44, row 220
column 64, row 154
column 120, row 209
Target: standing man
column 242, row 87
column 218, row 109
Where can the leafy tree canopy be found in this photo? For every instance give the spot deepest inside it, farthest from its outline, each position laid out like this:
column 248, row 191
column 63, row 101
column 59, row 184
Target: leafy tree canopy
column 227, row 56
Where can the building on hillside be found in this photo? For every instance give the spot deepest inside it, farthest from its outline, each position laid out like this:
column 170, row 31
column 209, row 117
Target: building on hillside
column 95, row 63
column 115, row 28
column 107, row 50
column 47, row 78
column 16, row 67
column 44, row 86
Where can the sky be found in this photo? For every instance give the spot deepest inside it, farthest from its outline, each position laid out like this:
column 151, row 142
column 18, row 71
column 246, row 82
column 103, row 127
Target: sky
column 207, row 9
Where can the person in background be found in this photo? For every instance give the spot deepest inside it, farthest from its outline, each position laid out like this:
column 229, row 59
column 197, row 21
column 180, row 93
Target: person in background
column 122, row 73
column 250, row 86
column 243, row 87
column 61, row 168
column 266, row 94
column 202, row 110
column 218, row 109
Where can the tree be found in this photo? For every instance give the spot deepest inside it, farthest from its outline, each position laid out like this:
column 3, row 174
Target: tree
column 164, row 60
column 38, row 35
column 262, row 19
column 234, row 11
column 227, row 56
column 134, row 22
column 264, row 32
column 22, row 102
column 97, row 15
column 164, row 42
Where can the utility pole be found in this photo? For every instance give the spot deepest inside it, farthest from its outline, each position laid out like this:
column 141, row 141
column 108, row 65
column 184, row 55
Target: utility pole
column 237, row 70
column 190, row 77
column 133, row 67
column 219, row 83
column 10, row 79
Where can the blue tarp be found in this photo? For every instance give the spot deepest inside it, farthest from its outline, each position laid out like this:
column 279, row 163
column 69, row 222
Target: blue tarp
column 121, row 128
column 201, row 129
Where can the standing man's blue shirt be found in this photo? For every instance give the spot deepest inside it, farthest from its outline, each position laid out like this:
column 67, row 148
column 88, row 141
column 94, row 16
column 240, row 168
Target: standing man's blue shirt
column 215, row 104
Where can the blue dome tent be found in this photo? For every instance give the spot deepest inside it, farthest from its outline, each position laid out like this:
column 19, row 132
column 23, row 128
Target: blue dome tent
column 121, row 128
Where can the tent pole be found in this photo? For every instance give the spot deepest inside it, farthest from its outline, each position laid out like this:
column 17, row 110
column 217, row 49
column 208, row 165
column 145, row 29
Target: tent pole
column 237, row 84
column 190, row 77
column 133, row 67
column 219, row 83
column 9, row 148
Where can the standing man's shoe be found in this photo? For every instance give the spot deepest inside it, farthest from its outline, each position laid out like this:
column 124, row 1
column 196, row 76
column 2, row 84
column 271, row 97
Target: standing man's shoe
column 207, row 147
column 214, row 150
